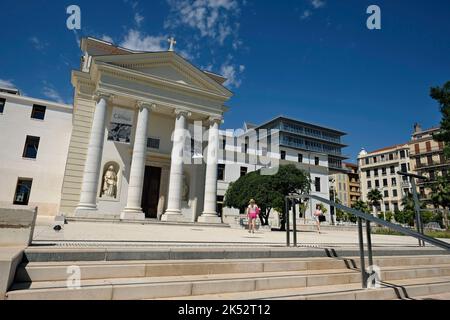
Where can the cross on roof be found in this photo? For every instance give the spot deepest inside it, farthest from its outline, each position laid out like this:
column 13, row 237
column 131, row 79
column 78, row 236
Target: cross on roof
column 172, row 42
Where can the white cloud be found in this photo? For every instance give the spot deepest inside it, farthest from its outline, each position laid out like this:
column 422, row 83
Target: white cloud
column 317, row 3
column 50, row 92
column 107, row 38
column 232, row 74
column 138, row 18
column 210, row 17
column 7, row 84
column 38, row 44
column 306, row 14
column 135, row 40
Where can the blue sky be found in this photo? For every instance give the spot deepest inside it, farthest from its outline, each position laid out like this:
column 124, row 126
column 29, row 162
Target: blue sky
column 313, row 60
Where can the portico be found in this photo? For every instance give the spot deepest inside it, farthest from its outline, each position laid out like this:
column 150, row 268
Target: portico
column 134, row 115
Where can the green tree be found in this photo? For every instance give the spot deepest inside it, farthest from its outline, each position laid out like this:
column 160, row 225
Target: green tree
column 360, row 206
column 268, row 191
column 375, row 197
column 442, row 96
column 440, row 196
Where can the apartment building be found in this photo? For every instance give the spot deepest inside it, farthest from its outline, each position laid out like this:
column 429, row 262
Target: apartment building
column 378, row 170
column 427, row 159
column 345, row 186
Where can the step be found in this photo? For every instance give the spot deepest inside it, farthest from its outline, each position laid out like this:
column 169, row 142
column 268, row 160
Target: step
column 54, row 271
column 55, row 254
column 163, row 287
column 419, row 288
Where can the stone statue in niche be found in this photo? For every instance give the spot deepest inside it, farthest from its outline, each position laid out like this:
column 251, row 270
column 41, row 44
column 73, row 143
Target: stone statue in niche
column 110, row 183
column 185, row 191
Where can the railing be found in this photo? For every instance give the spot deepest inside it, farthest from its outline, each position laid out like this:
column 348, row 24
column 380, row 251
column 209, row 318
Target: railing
column 368, row 218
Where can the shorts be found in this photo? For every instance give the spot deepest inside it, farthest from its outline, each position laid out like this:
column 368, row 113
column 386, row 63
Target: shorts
column 253, row 216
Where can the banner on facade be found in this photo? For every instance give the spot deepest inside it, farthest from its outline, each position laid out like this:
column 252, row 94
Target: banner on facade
column 121, row 125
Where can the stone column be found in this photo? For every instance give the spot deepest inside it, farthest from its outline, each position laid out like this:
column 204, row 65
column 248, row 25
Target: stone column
column 133, row 209
column 209, row 209
column 92, row 167
column 173, row 212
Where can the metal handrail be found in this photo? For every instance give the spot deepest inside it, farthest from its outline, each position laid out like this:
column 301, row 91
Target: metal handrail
column 361, row 216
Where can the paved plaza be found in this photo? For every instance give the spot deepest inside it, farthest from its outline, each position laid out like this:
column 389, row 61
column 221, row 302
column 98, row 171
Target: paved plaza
column 77, row 233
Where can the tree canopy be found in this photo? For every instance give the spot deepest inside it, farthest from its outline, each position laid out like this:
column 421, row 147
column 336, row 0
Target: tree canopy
column 442, row 96
column 268, row 191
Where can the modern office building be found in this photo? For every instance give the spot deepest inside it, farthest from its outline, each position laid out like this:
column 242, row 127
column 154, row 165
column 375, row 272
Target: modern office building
column 378, row 170
column 315, row 149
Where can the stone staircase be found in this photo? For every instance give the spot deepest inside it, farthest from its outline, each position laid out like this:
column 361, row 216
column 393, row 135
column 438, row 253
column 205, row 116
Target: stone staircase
column 149, row 274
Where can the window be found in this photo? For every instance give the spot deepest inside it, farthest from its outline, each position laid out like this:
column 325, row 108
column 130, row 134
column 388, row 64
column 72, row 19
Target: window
column 395, row 193
column 430, row 160
column 391, row 156
column 367, row 160
column 374, row 159
column 394, row 182
column 402, row 154
column 404, row 167
column 23, row 190
column 316, row 161
column 2, row 104
column 38, row 112
column 368, row 173
column 317, row 184
column 369, row 184
column 375, row 172
column 385, row 182
column 153, row 143
column 386, row 193
column 283, row 155
column 384, row 171
column 386, row 206
column 428, row 146
column 392, row 170
column 31, row 147
column 221, row 172
column 300, row 158
column 224, row 144
column 244, row 171
column 377, row 183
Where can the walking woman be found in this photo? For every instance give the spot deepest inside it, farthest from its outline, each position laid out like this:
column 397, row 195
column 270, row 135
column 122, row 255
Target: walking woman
column 317, row 214
column 252, row 214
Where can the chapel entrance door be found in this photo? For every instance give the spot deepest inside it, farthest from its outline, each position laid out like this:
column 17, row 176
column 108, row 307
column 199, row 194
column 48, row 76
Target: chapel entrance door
column 150, row 195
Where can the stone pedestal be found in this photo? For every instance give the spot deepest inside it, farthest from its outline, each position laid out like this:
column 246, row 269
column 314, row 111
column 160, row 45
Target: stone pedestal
column 206, row 218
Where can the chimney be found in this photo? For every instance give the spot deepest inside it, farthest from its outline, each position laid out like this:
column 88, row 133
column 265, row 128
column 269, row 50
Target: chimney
column 417, row 128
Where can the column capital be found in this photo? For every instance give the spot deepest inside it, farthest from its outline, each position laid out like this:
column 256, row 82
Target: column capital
column 102, row 95
column 214, row 120
column 183, row 113
column 144, row 104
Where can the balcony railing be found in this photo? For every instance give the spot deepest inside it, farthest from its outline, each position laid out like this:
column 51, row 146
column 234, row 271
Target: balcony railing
column 422, row 151
column 432, row 164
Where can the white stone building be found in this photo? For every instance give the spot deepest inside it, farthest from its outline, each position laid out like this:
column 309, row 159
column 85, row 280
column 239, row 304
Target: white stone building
column 133, row 112
column 34, row 142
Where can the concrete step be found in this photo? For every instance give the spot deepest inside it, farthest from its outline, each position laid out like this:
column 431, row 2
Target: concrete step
column 58, row 254
column 185, row 286
column 419, row 288
column 54, row 271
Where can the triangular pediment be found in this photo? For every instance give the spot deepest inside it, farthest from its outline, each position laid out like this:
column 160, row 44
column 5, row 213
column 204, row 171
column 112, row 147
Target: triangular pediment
column 168, row 66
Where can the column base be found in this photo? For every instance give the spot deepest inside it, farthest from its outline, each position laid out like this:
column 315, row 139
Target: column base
column 209, row 218
column 84, row 210
column 132, row 214
column 173, row 216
